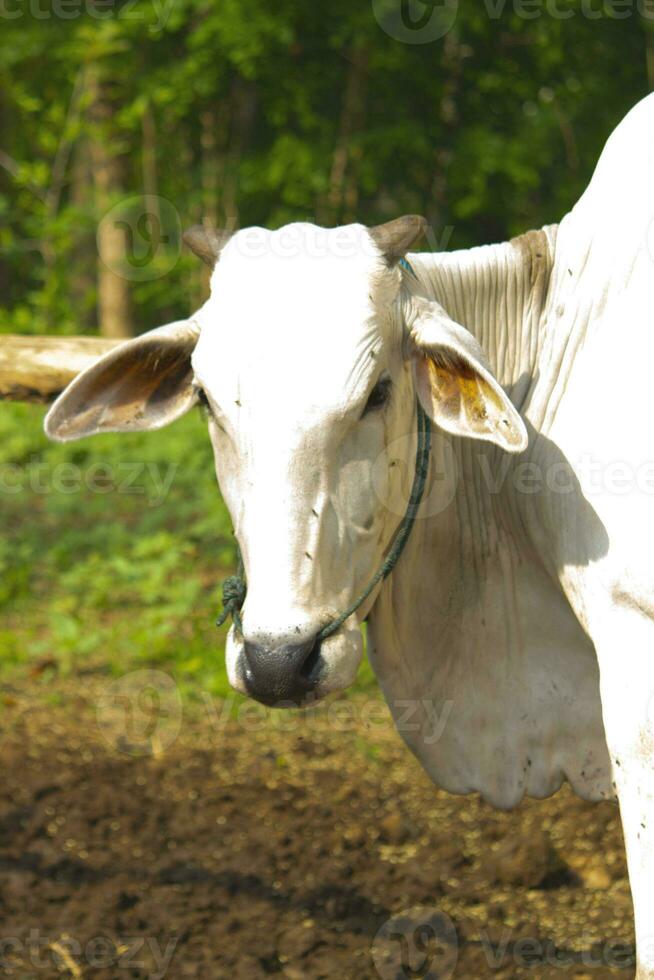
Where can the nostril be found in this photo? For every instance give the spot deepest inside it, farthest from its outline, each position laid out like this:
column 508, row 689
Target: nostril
column 312, row 661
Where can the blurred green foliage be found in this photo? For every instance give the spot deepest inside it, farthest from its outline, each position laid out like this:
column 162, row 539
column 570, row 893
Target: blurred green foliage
column 263, row 114
column 112, row 552
column 269, row 113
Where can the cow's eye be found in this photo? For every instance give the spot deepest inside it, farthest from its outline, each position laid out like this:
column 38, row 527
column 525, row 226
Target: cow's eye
column 379, row 395
column 207, row 408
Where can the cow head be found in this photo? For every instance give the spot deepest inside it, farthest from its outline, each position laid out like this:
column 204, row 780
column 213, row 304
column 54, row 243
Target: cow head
column 308, row 357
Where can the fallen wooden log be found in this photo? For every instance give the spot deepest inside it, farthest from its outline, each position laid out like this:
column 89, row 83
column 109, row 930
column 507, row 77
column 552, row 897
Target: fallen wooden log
column 37, row 369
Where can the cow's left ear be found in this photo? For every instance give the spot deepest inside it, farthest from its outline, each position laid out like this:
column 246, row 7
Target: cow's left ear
column 455, row 385
column 144, row 383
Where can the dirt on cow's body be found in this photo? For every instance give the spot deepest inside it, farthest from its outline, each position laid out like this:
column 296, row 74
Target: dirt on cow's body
column 287, row 845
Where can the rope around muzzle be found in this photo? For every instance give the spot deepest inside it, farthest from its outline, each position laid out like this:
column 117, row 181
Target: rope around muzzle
column 235, row 589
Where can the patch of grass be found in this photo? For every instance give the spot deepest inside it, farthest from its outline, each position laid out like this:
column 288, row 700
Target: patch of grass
column 112, row 553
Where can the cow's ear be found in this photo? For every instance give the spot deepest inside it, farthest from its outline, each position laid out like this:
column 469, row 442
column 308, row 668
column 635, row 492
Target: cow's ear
column 454, row 384
column 144, row 383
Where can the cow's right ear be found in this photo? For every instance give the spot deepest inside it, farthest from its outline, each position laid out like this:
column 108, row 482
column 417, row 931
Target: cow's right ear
column 142, row 384
column 455, row 385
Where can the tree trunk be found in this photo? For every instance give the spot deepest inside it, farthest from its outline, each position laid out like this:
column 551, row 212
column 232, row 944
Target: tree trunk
column 451, row 68
column 648, row 26
column 212, row 176
column 342, row 191
column 209, row 165
column 244, row 100
column 149, row 153
column 82, row 274
column 114, row 305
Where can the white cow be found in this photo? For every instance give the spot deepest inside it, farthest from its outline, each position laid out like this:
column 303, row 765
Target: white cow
column 519, row 622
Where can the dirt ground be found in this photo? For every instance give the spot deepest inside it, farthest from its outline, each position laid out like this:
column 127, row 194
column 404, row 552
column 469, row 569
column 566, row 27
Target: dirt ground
column 193, row 845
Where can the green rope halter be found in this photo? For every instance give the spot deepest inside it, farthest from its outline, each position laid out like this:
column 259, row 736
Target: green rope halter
column 234, row 588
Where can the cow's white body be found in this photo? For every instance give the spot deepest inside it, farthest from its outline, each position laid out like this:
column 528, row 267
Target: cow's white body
column 515, row 639
column 549, row 596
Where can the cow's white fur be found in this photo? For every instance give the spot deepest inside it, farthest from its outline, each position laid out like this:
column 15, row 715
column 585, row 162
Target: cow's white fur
column 275, row 425
column 522, row 609
column 554, row 574
column 295, row 461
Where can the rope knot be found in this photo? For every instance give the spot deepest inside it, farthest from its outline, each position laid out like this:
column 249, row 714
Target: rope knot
column 234, row 590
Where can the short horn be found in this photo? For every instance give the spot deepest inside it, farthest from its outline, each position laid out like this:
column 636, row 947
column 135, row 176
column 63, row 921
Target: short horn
column 206, row 243
column 395, row 238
